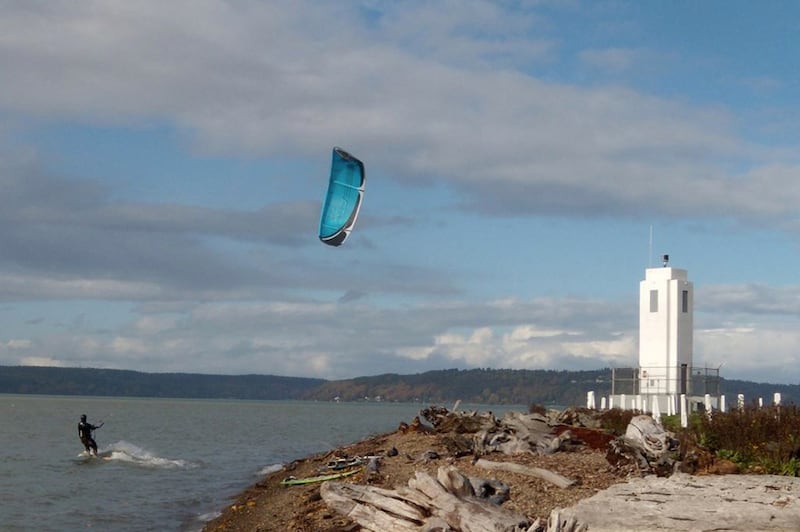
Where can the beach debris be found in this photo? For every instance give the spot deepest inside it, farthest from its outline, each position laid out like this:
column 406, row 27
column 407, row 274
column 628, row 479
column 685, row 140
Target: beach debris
column 557, row 523
column 645, row 444
column 445, row 503
column 516, row 432
column 538, row 472
column 416, row 425
column 345, row 463
column 426, row 457
column 294, row 481
column 491, row 489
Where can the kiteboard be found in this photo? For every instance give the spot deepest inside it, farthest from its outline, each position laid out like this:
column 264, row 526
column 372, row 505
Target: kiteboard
column 86, row 456
column 292, row 481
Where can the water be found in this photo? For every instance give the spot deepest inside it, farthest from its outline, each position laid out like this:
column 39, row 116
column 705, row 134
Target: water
column 171, row 464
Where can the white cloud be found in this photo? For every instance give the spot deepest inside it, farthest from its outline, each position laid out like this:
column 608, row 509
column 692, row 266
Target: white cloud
column 269, row 78
column 451, row 93
column 41, row 361
column 18, row 343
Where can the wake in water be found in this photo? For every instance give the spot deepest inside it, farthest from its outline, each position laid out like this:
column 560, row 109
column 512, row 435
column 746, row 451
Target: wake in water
column 126, row 452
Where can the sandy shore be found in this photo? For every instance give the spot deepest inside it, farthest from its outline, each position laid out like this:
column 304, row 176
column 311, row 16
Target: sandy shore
column 603, row 496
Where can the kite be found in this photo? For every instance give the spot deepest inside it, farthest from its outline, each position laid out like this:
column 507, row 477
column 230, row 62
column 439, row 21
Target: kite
column 343, row 199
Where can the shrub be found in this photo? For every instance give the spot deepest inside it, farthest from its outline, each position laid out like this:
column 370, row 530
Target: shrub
column 616, row 420
column 764, row 440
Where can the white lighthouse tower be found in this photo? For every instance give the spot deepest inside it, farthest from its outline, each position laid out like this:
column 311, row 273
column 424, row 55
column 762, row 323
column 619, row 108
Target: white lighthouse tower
column 666, row 330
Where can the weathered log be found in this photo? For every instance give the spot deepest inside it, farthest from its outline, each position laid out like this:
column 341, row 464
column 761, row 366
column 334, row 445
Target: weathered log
column 645, row 443
column 343, row 497
column 454, row 482
column 555, row 523
column 436, row 524
column 466, row 515
column 544, row 474
column 425, row 505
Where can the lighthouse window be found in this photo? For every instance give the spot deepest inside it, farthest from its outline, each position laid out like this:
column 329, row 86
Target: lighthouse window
column 653, row 300
column 685, row 301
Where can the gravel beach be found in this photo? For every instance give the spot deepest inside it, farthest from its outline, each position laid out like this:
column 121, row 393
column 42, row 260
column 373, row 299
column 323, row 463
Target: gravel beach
column 604, row 497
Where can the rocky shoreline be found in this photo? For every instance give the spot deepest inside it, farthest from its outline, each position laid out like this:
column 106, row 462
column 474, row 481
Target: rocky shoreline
column 598, row 493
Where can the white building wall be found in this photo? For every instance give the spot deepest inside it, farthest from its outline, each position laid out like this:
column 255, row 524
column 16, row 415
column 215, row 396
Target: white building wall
column 666, row 324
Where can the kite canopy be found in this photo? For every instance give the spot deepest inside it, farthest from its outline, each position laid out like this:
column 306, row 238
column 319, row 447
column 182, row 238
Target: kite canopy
column 343, row 200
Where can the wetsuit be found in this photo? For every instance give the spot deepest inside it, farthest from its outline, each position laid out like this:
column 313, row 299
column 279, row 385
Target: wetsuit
column 85, row 434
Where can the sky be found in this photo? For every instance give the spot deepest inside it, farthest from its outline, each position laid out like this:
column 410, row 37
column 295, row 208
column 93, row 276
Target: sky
column 163, row 164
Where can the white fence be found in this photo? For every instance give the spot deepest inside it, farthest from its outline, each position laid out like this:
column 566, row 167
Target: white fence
column 669, row 404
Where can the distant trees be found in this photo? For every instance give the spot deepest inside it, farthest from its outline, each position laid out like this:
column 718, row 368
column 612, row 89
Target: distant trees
column 480, row 386
column 483, row 386
column 124, row 383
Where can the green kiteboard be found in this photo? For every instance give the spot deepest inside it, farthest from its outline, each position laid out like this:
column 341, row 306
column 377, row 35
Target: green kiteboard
column 291, row 481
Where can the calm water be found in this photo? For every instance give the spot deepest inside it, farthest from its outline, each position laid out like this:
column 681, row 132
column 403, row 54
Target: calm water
column 172, row 463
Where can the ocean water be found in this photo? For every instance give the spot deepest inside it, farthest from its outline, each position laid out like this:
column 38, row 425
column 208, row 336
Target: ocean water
column 170, row 464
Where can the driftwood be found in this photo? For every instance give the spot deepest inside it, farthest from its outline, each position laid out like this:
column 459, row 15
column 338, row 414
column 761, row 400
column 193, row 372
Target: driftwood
column 516, row 433
column 544, row 474
column 443, row 504
column 646, row 444
column 426, row 504
column 558, row 524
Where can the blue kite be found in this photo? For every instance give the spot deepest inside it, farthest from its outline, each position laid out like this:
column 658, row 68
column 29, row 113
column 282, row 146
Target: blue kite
column 343, row 200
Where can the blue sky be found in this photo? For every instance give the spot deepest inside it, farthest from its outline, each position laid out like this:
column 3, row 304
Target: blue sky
column 162, row 167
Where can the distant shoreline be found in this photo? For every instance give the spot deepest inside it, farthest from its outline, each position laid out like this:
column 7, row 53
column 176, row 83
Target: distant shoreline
column 474, row 386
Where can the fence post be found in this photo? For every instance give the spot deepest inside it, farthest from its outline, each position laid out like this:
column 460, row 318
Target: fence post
column 656, row 412
column 722, row 406
column 684, row 413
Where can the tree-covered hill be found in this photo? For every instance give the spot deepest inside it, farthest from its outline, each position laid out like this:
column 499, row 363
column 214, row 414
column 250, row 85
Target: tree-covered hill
column 481, row 386
column 485, row 386
column 124, row 383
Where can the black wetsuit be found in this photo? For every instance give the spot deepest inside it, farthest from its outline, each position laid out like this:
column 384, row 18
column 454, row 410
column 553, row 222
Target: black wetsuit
column 85, row 434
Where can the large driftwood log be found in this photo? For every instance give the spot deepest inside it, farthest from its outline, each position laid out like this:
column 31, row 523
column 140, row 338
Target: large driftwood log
column 466, row 514
column 544, row 474
column 426, row 504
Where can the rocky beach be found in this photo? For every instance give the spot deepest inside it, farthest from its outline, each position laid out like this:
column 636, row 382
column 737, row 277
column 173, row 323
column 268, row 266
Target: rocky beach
column 460, row 471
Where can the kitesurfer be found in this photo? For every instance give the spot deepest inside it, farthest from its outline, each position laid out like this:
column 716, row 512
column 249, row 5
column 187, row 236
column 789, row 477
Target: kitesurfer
column 85, row 434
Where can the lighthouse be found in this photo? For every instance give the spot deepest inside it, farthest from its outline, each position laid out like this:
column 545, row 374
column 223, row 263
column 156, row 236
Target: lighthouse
column 666, row 330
